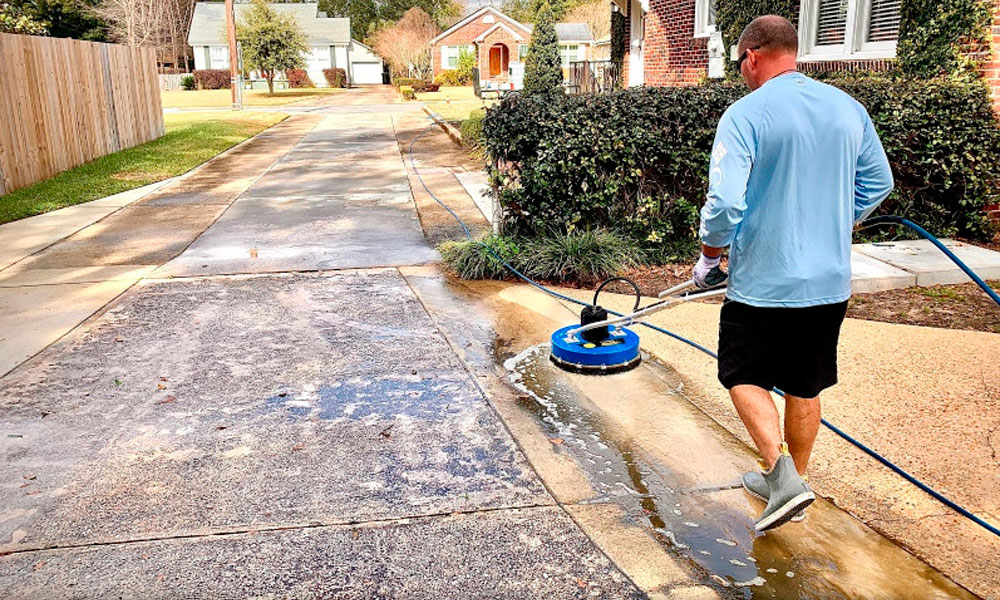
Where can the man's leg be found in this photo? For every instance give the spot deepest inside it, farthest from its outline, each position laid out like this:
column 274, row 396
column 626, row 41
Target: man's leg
column 801, row 426
column 759, row 415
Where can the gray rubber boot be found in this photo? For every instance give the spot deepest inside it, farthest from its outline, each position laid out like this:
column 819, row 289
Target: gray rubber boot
column 787, row 494
column 755, row 485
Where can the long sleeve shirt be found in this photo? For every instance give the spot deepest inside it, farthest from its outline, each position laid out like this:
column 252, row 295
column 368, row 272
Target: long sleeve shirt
column 794, row 166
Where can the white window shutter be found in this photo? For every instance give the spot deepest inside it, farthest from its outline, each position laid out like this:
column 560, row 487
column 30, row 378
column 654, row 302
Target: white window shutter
column 883, row 22
column 831, row 22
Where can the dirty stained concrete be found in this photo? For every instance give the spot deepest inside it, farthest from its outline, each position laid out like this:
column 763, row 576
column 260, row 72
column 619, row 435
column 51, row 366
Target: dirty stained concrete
column 641, row 445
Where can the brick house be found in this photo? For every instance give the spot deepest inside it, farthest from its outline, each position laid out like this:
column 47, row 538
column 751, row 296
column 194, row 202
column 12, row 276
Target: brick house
column 668, row 41
column 501, row 43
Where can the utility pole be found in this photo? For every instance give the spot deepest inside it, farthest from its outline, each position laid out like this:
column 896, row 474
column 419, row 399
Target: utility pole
column 234, row 57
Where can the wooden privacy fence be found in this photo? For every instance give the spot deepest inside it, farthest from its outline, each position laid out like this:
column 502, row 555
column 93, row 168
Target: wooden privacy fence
column 67, row 102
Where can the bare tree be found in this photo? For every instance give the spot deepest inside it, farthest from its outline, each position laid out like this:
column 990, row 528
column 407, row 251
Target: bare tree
column 404, row 45
column 595, row 14
column 162, row 24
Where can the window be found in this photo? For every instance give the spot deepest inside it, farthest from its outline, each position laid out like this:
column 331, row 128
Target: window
column 704, row 18
column 220, row 57
column 844, row 29
column 522, row 52
column 449, row 55
column 569, row 53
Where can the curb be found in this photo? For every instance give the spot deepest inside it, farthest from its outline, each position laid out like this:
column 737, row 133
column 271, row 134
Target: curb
column 453, row 133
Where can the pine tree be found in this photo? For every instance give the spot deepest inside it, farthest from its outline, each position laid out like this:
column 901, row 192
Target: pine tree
column 543, row 67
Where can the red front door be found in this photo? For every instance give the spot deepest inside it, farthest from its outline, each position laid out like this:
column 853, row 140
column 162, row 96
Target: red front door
column 499, row 60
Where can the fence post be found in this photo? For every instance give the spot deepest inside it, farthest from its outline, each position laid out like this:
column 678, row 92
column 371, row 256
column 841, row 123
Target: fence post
column 116, row 144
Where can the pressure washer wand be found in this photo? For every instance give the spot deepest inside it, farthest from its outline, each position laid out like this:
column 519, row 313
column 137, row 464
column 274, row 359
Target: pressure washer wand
column 672, row 299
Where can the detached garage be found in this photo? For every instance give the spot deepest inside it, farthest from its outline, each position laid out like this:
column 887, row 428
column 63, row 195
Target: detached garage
column 329, row 40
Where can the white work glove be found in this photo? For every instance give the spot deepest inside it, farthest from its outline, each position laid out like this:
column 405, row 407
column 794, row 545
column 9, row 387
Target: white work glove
column 701, row 269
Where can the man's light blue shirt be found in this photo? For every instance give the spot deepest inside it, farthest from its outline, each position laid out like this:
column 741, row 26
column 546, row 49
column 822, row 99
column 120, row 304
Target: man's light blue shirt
column 794, row 166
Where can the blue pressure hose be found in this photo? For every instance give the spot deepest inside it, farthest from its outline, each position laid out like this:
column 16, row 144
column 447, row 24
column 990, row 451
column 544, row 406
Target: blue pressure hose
column 870, row 222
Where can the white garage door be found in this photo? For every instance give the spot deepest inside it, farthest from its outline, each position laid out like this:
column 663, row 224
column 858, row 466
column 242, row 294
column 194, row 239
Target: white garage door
column 367, row 72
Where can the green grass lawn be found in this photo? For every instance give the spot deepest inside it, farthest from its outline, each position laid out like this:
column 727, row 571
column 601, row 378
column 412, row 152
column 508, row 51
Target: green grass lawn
column 191, row 139
column 453, row 103
column 223, row 98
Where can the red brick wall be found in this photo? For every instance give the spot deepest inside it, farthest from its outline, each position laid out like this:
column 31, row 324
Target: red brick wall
column 672, row 55
column 991, row 63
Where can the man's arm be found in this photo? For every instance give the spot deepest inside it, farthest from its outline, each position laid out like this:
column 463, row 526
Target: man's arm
column 729, row 171
column 873, row 178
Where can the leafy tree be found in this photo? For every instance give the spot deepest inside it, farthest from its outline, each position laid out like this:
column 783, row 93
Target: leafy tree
column 543, row 67
column 15, row 19
column 67, row 18
column 527, row 11
column 271, row 42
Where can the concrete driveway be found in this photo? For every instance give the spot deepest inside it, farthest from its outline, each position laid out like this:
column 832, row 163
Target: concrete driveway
column 268, row 417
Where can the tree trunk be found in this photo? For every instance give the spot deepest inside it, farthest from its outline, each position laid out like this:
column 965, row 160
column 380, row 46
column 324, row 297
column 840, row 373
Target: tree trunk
column 270, row 84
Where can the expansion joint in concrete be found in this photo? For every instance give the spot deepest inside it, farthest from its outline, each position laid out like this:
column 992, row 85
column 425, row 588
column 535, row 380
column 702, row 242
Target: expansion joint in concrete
column 334, row 524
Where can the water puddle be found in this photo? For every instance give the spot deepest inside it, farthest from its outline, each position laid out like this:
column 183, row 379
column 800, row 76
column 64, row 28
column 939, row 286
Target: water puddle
column 686, row 491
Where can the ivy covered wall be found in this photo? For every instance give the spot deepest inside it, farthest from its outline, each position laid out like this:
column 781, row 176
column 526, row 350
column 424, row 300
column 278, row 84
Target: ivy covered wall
column 936, row 36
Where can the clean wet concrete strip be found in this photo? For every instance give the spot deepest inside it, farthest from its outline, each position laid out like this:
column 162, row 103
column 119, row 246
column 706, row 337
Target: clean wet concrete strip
column 339, row 200
column 82, row 257
column 195, row 412
column 929, row 265
column 671, row 469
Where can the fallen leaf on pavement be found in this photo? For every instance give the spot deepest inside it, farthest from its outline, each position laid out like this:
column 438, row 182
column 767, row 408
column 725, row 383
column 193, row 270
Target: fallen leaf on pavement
column 168, row 400
column 299, row 447
column 160, row 386
column 253, row 253
column 28, row 477
column 556, row 440
column 40, row 564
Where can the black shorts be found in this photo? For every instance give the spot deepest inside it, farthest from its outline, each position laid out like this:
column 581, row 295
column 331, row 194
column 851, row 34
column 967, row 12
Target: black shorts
column 792, row 349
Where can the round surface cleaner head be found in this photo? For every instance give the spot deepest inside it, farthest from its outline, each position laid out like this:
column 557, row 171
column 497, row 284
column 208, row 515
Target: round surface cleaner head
column 616, row 354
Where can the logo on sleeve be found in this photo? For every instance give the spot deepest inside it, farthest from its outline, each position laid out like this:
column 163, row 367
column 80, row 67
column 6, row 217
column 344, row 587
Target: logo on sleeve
column 719, row 152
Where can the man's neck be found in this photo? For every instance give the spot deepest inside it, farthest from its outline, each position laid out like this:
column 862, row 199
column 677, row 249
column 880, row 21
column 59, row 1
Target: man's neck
column 780, row 66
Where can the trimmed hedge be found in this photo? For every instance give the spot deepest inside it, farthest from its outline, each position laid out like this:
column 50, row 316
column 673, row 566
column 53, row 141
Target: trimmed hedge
column 472, row 129
column 407, row 92
column 637, row 160
column 418, row 85
column 335, row 77
column 212, row 79
column 298, row 78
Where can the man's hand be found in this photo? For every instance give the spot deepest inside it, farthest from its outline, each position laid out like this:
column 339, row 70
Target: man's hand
column 701, row 269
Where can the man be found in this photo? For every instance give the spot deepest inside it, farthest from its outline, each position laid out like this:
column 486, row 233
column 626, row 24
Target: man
column 796, row 163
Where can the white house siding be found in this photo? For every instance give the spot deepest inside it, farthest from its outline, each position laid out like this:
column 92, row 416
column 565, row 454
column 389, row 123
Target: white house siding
column 366, row 66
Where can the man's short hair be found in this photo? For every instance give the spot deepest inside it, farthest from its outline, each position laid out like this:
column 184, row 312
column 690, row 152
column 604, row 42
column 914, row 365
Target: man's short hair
column 771, row 32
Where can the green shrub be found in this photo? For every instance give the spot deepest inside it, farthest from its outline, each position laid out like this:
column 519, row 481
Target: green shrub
column 636, row 160
column 471, row 260
column 407, row 92
column 452, row 78
column 582, row 256
column 543, row 66
column 188, row 83
column 472, row 129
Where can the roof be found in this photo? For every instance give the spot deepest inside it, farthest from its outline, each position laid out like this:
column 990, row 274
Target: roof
column 570, row 32
column 472, row 17
column 209, row 17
